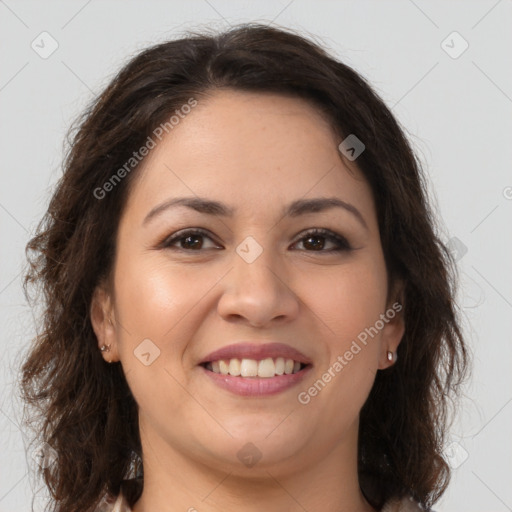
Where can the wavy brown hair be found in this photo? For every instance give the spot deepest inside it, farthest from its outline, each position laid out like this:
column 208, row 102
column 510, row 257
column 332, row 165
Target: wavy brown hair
column 84, row 408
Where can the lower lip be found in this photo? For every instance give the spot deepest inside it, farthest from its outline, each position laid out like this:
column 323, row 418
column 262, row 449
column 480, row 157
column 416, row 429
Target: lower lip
column 257, row 386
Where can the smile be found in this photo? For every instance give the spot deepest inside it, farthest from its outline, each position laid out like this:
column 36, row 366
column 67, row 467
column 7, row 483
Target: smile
column 250, row 377
column 252, row 368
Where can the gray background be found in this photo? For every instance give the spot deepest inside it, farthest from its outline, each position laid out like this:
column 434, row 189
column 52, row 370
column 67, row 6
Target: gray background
column 457, row 112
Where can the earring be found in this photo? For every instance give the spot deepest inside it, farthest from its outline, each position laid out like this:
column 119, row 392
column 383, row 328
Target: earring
column 390, row 356
column 106, row 348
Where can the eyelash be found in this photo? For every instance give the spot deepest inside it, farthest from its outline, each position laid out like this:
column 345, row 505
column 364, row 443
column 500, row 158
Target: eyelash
column 341, row 241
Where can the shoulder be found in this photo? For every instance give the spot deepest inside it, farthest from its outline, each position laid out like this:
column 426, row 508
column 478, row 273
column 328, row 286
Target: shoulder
column 404, row 505
column 128, row 494
column 131, row 488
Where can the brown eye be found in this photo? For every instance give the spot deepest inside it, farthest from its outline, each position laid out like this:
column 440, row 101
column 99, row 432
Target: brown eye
column 187, row 240
column 316, row 240
column 191, row 242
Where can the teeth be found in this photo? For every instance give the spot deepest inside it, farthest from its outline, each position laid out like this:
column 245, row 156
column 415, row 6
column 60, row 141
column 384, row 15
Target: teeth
column 279, row 366
column 266, row 368
column 223, row 367
column 248, row 368
column 252, row 368
column 235, row 367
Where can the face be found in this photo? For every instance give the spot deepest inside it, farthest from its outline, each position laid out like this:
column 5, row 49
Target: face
column 189, row 280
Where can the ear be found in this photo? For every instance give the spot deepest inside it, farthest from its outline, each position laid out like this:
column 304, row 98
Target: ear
column 394, row 327
column 104, row 324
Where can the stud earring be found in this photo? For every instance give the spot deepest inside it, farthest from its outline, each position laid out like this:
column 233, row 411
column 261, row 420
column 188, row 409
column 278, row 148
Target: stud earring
column 106, row 348
column 390, row 356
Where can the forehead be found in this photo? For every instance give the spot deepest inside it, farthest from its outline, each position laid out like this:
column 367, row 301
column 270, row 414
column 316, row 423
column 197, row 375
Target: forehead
column 249, row 150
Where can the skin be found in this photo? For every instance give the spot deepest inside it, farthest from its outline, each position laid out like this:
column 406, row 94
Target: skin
column 256, row 153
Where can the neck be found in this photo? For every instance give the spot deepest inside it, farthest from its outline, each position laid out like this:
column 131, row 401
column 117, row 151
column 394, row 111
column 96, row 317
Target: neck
column 176, row 481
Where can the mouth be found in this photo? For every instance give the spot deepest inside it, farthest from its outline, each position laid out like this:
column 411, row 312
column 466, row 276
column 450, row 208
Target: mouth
column 255, row 369
column 252, row 385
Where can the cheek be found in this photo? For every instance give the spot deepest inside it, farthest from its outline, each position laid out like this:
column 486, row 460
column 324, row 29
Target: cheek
column 154, row 296
column 160, row 301
column 155, row 304
column 349, row 298
column 347, row 304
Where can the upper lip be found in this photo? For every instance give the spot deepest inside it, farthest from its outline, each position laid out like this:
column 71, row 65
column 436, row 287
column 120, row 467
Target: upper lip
column 250, row 350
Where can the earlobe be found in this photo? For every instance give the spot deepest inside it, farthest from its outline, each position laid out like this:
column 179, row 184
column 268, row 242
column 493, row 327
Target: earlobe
column 390, row 341
column 101, row 313
column 392, row 335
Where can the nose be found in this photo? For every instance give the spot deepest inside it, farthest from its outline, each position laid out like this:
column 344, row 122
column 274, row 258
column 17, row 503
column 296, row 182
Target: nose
column 258, row 292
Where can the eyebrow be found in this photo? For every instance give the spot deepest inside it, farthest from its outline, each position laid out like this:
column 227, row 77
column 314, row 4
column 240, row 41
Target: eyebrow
column 294, row 209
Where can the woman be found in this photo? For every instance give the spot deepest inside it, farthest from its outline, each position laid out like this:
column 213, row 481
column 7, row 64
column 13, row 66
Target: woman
column 247, row 304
